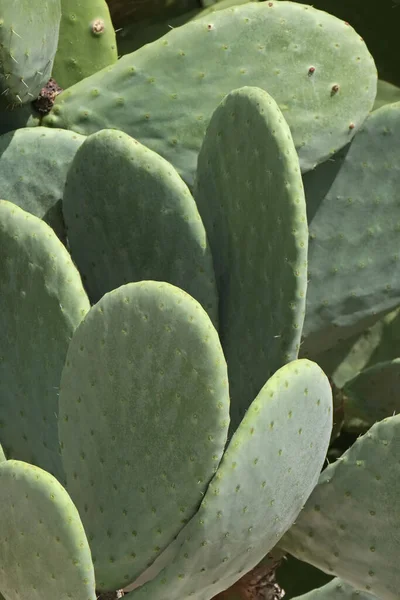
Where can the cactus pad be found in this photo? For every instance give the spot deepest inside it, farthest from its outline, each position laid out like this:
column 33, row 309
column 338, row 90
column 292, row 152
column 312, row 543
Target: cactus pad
column 33, row 167
column 86, row 42
column 250, row 196
column 350, row 526
column 316, row 67
column 354, row 262
column 28, row 42
column 44, row 553
column 268, row 471
column 130, row 218
column 41, row 302
column 144, row 415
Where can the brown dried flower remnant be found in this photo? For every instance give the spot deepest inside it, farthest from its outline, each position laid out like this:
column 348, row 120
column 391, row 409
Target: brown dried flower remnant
column 45, row 101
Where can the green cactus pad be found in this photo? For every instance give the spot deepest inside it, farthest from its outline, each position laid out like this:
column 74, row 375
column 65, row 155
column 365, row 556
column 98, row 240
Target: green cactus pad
column 28, row 42
column 44, row 553
column 354, row 261
column 268, row 471
column 33, row 168
column 350, row 525
column 372, row 395
column 144, row 415
column 336, row 590
column 86, row 42
column 130, row 218
column 250, row 196
column 165, row 93
column 41, row 303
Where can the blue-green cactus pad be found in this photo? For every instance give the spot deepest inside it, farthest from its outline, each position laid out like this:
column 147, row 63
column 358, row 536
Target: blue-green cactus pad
column 33, row 167
column 250, row 196
column 130, row 217
column 41, row 302
column 350, row 525
column 28, row 42
column 44, row 552
column 86, row 42
column 165, row 93
column 268, row 471
column 354, row 222
column 144, row 415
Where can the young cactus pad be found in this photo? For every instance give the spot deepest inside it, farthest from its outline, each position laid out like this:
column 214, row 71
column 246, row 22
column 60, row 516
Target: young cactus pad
column 268, row 471
column 44, row 553
column 144, row 415
column 33, row 167
column 86, row 42
column 350, row 526
column 354, row 214
column 336, row 590
column 130, row 217
column 316, row 67
column 41, row 303
column 250, row 196
column 28, row 42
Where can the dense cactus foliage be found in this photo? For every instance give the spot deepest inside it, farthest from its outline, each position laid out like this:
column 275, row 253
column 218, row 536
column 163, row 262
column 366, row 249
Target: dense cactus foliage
column 199, row 305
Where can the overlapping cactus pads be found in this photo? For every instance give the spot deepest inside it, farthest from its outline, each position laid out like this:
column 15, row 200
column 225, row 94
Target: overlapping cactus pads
column 313, row 64
column 199, row 302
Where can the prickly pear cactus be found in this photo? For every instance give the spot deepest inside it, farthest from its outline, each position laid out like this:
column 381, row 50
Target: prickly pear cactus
column 250, row 196
column 86, row 43
column 187, row 181
column 354, row 263
column 268, row 470
column 41, row 303
column 28, row 42
column 130, row 217
column 165, row 93
column 34, row 162
column 349, row 526
column 44, row 552
column 144, row 415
